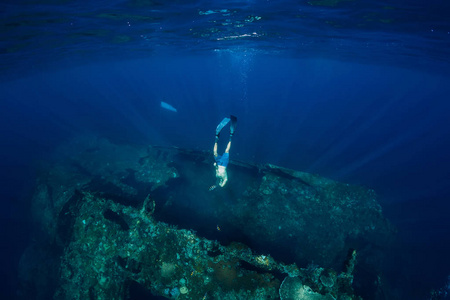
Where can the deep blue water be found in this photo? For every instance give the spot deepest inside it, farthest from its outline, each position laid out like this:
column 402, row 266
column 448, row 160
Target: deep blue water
column 356, row 91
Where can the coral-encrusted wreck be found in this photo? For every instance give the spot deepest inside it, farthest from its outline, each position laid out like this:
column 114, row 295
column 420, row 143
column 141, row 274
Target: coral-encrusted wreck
column 128, row 222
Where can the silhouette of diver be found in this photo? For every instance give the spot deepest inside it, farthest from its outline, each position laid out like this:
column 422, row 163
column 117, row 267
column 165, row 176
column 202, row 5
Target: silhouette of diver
column 221, row 161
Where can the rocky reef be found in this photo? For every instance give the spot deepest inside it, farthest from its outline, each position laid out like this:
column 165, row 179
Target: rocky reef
column 138, row 222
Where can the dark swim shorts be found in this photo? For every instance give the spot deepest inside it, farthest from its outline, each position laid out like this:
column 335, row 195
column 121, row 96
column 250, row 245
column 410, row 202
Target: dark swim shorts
column 223, row 160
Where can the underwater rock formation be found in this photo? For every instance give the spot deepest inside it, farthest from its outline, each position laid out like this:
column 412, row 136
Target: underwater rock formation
column 124, row 222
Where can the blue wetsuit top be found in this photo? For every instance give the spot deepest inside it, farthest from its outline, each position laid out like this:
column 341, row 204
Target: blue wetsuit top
column 222, row 160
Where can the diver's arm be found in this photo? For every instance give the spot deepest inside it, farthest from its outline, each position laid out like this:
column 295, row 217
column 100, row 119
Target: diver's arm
column 215, row 185
column 224, row 180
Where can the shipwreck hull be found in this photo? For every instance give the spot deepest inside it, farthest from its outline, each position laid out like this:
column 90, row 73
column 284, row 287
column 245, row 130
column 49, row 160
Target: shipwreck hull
column 125, row 221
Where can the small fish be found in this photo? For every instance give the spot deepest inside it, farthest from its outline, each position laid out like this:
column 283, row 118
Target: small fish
column 204, row 297
column 218, row 228
column 168, row 106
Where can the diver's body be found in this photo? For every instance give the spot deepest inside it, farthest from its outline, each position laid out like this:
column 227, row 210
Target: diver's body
column 221, row 161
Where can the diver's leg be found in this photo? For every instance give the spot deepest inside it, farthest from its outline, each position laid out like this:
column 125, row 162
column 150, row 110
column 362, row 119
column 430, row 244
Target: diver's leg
column 215, row 148
column 227, row 150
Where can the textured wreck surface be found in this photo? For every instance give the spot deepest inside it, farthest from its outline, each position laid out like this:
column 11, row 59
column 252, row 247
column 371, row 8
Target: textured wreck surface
column 129, row 222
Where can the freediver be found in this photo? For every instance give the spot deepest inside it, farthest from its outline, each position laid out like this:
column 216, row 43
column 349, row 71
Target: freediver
column 221, row 161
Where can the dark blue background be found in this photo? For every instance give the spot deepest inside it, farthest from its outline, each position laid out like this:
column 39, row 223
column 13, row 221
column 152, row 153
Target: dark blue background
column 383, row 127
